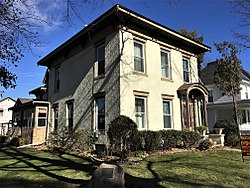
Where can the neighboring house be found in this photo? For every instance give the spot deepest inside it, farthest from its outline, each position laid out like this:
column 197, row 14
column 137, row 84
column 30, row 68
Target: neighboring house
column 30, row 117
column 125, row 64
column 5, row 114
column 220, row 105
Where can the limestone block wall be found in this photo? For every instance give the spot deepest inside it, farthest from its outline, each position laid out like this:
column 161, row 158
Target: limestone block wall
column 39, row 135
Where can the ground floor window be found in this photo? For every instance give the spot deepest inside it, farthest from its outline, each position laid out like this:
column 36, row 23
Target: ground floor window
column 245, row 116
column 55, row 111
column 140, row 112
column 42, row 117
column 167, row 114
column 70, row 114
column 100, row 113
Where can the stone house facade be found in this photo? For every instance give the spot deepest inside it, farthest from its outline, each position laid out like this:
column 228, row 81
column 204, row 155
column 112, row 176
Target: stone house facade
column 125, row 64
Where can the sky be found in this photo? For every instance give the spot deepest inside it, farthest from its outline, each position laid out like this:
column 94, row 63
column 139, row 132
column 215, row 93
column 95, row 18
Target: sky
column 212, row 18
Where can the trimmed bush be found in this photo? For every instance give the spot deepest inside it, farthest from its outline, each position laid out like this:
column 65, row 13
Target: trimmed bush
column 171, row 139
column 231, row 131
column 121, row 130
column 205, row 145
column 190, row 139
column 4, row 139
column 151, row 140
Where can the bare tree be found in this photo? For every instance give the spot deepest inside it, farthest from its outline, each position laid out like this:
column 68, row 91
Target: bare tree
column 242, row 9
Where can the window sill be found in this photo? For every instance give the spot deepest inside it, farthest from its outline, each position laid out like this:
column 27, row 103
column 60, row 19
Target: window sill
column 99, row 77
column 166, row 79
column 140, row 73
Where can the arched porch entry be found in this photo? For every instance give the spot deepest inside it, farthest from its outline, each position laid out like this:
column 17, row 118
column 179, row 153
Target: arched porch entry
column 193, row 105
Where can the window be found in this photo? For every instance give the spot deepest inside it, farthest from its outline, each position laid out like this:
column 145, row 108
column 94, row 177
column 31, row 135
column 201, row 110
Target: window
column 185, row 63
column 167, row 115
column 140, row 112
column 165, row 68
column 55, row 110
column 100, row 113
column 42, row 117
column 70, row 114
column 138, row 57
column 100, row 53
column 57, row 79
column 1, row 112
column 210, row 96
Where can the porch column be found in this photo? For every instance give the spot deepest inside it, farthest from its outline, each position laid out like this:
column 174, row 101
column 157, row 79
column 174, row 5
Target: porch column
column 187, row 111
column 205, row 111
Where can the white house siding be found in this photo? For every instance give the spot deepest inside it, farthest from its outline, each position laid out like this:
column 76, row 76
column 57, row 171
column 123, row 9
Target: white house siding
column 77, row 82
column 5, row 104
column 150, row 82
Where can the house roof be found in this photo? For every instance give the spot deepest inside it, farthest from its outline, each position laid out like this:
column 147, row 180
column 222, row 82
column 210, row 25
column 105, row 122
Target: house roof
column 23, row 102
column 41, row 89
column 207, row 74
column 120, row 15
column 7, row 98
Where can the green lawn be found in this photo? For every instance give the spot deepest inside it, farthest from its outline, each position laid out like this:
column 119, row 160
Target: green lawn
column 191, row 169
column 31, row 168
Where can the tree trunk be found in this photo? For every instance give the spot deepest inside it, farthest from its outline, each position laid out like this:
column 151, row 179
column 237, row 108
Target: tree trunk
column 235, row 110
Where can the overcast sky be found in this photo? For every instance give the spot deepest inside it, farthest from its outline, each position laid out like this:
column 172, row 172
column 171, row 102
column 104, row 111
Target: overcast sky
column 212, row 18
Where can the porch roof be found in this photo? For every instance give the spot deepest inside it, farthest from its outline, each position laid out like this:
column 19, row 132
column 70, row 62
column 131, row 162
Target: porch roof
column 28, row 102
column 186, row 88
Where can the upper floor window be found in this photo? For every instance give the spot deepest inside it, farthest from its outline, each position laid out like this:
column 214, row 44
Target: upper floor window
column 100, row 54
column 186, row 72
column 100, row 113
column 165, row 64
column 139, row 56
column 70, row 114
column 140, row 112
column 210, row 96
column 1, row 112
column 57, row 79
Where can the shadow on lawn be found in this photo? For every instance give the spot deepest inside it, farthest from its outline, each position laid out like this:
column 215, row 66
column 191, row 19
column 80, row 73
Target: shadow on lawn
column 43, row 165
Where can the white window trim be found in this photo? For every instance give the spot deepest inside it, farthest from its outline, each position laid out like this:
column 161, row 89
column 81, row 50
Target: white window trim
column 171, row 113
column 143, row 56
column 96, row 114
column 96, row 68
column 188, row 71
column 145, row 109
column 169, row 64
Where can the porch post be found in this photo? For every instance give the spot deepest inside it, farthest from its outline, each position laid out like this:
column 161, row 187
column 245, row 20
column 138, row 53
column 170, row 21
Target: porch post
column 187, row 111
column 205, row 111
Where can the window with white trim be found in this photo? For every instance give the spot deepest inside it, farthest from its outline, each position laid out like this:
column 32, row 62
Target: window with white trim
column 140, row 112
column 139, row 64
column 165, row 64
column 100, row 113
column 167, row 113
column 42, row 117
column 210, row 96
column 186, row 72
column 70, row 115
column 100, row 54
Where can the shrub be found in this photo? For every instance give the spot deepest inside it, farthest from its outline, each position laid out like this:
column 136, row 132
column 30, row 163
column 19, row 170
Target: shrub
column 62, row 140
column 4, row 139
column 205, row 144
column 231, row 131
column 17, row 141
column 190, row 139
column 151, row 140
column 121, row 130
column 233, row 140
column 171, row 139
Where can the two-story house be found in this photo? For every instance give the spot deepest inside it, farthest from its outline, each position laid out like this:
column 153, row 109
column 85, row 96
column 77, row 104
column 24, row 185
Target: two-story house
column 219, row 105
column 5, row 114
column 125, row 64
